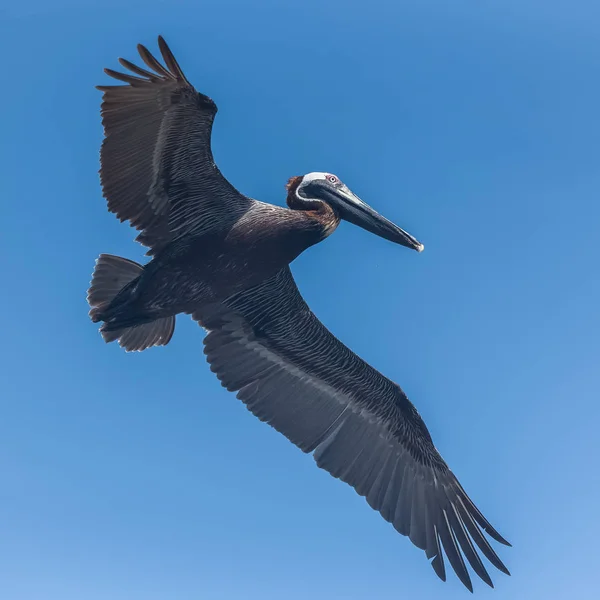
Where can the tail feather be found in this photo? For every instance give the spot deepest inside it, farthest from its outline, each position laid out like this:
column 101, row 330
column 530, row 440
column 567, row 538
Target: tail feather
column 136, row 333
column 111, row 275
column 140, row 337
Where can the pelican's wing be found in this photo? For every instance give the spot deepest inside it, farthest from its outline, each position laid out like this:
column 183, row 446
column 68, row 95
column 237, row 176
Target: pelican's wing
column 291, row 372
column 157, row 168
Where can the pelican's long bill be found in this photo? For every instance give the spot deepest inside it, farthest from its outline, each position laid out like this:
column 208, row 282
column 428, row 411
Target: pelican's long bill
column 352, row 209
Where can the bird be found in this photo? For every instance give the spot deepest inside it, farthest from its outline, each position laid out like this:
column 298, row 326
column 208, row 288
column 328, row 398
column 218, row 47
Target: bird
column 224, row 258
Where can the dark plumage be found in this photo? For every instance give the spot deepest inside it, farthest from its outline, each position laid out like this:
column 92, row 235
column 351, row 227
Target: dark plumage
column 224, row 258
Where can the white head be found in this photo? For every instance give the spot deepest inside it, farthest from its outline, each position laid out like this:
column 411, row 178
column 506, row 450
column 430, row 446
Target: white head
column 317, row 187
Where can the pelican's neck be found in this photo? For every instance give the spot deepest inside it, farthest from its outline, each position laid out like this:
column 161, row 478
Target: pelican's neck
column 321, row 215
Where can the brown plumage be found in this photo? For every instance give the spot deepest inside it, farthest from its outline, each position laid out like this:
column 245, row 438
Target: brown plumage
column 224, row 258
column 320, row 212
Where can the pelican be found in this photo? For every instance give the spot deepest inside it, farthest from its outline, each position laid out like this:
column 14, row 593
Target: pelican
column 224, row 258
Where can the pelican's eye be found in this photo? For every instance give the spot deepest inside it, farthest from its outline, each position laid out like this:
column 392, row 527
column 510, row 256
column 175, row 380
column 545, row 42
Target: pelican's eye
column 332, row 179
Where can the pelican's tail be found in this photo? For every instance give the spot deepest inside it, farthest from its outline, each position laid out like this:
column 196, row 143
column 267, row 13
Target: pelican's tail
column 111, row 289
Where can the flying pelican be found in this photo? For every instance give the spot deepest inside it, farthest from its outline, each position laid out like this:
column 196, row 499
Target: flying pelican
column 224, row 258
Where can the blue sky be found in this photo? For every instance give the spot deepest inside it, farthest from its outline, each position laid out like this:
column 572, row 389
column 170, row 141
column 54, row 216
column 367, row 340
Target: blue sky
column 475, row 127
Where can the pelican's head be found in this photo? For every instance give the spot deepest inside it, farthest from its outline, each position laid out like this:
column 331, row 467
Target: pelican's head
column 327, row 188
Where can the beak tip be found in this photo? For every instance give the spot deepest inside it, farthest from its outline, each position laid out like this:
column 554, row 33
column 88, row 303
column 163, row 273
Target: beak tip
column 420, row 248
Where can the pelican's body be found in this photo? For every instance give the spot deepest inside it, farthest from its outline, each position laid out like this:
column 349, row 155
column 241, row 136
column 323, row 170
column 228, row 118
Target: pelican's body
column 210, row 267
column 224, row 258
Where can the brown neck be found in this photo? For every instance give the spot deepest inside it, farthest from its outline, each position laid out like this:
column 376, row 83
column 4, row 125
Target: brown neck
column 322, row 214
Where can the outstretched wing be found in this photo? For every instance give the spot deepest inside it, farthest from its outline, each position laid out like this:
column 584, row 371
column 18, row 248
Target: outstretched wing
column 157, row 169
column 291, row 372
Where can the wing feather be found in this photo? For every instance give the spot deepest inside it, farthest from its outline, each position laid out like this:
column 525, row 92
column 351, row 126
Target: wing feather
column 292, row 373
column 157, row 168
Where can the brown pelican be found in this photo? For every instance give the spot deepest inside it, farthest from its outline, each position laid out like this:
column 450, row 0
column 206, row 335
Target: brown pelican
column 224, row 258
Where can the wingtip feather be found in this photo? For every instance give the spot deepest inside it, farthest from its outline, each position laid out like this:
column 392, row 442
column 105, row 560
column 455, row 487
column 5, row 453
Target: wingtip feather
column 152, row 62
column 170, row 59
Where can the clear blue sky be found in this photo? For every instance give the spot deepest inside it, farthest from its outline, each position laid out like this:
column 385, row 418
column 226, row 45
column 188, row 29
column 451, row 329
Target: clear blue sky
column 475, row 126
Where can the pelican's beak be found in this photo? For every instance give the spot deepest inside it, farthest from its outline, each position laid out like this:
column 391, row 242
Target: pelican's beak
column 351, row 208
